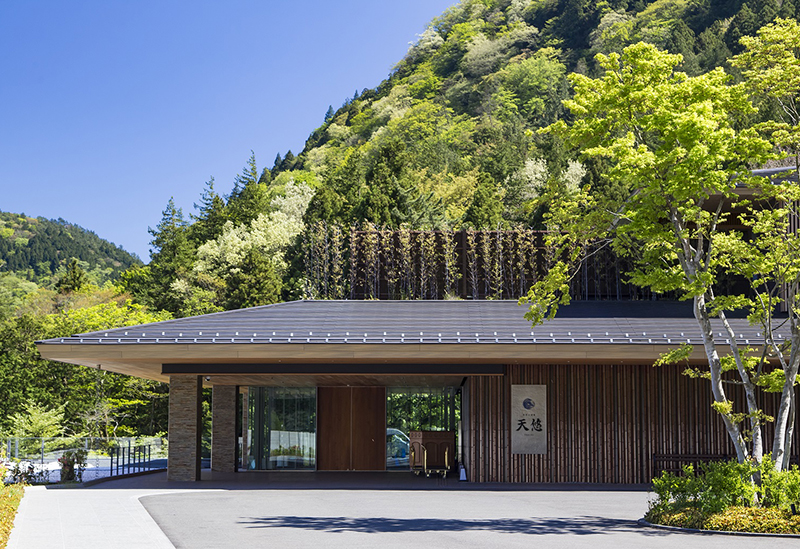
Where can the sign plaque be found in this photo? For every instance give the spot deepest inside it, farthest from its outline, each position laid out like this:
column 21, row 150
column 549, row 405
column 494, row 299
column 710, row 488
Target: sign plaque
column 529, row 419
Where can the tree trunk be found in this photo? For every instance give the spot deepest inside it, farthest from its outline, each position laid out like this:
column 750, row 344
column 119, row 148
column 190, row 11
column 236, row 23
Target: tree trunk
column 750, row 394
column 715, row 367
column 784, row 422
column 789, row 434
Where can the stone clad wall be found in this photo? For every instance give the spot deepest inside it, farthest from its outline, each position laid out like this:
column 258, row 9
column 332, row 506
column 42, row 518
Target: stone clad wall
column 185, row 393
column 223, row 428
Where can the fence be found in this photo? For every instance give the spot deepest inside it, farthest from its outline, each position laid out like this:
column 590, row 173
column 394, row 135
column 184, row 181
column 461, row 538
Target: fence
column 380, row 263
column 43, row 459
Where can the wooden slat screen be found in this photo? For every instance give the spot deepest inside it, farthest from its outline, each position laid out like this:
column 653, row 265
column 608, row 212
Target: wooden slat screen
column 605, row 423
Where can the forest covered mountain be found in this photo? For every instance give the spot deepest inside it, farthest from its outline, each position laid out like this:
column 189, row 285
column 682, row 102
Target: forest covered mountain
column 38, row 253
column 37, row 249
column 450, row 137
column 448, row 141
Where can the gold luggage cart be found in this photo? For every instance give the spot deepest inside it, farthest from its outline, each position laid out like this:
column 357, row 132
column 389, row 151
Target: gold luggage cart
column 432, row 452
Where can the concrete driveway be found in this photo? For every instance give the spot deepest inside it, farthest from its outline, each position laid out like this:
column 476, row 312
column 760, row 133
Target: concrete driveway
column 423, row 513
column 344, row 511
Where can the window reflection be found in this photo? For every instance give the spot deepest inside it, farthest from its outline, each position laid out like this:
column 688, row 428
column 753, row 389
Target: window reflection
column 417, row 409
column 281, row 428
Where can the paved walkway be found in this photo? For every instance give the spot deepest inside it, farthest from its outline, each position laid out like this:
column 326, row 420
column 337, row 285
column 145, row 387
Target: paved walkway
column 87, row 518
column 338, row 511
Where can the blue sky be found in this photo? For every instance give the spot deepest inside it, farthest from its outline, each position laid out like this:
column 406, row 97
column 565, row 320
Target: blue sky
column 108, row 108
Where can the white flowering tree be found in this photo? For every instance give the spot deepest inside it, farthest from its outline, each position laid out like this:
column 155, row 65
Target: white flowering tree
column 243, row 265
column 269, row 234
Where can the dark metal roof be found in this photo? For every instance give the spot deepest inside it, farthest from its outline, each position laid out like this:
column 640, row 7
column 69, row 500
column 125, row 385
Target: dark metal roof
column 397, row 322
column 778, row 174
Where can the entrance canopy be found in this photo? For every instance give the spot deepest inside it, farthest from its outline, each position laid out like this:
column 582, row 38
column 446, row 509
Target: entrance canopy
column 306, row 343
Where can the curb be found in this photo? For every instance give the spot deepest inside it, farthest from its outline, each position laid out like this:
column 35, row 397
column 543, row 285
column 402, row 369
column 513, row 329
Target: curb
column 678, row 529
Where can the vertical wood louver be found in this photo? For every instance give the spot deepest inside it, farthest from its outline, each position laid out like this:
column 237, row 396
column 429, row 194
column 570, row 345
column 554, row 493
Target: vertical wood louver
column 606, row 422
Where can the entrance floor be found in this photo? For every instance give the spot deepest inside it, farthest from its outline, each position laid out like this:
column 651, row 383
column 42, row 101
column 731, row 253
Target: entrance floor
column 345, row 510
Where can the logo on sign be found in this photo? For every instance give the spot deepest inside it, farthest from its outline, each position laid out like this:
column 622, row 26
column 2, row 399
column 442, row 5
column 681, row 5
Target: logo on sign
column 528, row 404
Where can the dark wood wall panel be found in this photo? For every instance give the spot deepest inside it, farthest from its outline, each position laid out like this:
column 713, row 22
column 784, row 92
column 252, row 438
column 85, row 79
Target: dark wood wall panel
column 351, row 428
column 369, row 428
column 334, row 433
column 605, row 423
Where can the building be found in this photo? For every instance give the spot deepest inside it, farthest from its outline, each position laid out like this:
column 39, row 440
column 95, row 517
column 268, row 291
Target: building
column 336, row 385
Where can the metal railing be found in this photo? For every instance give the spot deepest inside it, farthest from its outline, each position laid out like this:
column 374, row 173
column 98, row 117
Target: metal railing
column 43, row 459
column 130, row 459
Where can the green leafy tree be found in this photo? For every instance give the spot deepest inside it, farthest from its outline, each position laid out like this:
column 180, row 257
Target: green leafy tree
column 486, row 210
column 171, row 255
column 288, row 162
column 671, row 139
column 744, row 24
column 137, row 282
column 381, row 199
column 211, row 217
column 250, row 196
column 13, row 290
column 35, row 420
column 233, row 264
column 266, row 176
column 771, row 65
column 537, row 85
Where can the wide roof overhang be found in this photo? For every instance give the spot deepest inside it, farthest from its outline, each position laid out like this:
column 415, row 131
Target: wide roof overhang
column 392, row 342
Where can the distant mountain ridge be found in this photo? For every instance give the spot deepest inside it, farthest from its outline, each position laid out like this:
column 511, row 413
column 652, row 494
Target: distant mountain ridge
column 36, row 248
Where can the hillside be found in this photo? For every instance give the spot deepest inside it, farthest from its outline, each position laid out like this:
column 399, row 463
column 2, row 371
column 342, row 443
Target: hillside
column 449, row 138
column 37, row 249
column 449, row 141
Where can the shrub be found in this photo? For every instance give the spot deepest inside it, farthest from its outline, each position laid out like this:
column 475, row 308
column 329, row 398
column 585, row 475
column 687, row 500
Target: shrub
column 727, row 496
column 724, row 484
column 753, row 519
column 779, row 488
column 717, row 486
column 10, row 496
column 73, row 463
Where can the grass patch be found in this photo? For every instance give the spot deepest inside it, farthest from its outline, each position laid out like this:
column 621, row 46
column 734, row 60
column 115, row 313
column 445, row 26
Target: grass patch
column 10, row 496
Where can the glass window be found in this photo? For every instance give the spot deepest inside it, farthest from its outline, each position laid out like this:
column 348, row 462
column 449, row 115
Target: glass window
column 417, row 409
column 282, row 425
